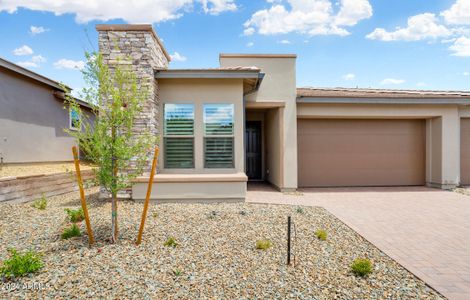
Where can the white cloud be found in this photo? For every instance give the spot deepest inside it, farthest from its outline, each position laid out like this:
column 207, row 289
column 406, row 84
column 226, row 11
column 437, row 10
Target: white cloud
column 28, row 64
column 131, row 11
column 250, row 44
column 389, row 81
column 461, row 47
column 286, row 42
column 33, row 30
column 215, row 7
column 312, row 17
column 69, row 64
column 178, row 57
column 349, row 76
column 466, row 73
column 23, row 50
column 421, row 84
column 458, row 14
column 34, row 62
column 423, row 26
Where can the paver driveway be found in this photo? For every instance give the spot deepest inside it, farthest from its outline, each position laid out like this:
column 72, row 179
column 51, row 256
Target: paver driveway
column 425, row 230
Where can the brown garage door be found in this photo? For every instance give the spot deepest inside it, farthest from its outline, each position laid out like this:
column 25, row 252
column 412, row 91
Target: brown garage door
column 337, row 152
column 465, row 152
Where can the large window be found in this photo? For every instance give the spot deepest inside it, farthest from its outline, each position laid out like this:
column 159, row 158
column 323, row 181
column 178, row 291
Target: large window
column 179, row 136
column 218, row 136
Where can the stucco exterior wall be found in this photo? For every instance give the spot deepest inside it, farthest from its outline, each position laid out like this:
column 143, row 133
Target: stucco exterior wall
column 442, row 127
column 32, row 122
column 274, row 153
column 279, row 84
column 199, row 92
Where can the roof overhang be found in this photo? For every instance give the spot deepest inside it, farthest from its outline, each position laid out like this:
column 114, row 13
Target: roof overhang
column 252, row 78
column 436, row 101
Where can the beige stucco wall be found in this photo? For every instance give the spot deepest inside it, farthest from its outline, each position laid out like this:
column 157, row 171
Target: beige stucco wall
column 199, row 92
column 442, row 131
column 279, row 84
column 274, row 153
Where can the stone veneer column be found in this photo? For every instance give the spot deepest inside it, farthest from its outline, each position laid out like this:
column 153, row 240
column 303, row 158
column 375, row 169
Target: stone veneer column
column 139, row 46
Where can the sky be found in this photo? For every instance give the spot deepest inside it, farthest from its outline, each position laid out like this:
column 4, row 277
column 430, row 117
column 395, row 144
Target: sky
column 399, row 44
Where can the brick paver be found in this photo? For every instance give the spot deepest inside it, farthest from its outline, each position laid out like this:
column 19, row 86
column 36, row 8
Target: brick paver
column 425, row 230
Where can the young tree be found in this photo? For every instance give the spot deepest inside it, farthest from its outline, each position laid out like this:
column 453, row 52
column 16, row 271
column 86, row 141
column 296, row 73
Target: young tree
column 117, row 98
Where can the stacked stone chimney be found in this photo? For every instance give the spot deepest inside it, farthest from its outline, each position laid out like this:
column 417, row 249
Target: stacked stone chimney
column 139, row 46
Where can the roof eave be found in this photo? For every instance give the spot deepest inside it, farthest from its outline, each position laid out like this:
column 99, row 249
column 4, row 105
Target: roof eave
column 352, row 100
column 215, row 74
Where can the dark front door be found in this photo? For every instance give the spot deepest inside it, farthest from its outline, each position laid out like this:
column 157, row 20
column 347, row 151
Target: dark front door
column 253, row 150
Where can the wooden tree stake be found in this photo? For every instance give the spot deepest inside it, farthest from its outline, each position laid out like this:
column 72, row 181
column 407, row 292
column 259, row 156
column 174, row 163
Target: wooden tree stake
column 91, row 240
column 147, row 198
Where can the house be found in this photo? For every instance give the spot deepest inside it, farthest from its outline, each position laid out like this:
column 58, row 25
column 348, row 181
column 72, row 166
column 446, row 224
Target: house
column 33, row 118
column 247, row 120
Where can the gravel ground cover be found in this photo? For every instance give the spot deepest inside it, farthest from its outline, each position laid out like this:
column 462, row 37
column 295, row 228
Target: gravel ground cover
column 12, row 170
column 215, row 257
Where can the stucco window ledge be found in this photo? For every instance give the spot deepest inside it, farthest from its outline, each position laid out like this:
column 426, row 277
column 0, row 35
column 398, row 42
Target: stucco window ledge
column 233, row 177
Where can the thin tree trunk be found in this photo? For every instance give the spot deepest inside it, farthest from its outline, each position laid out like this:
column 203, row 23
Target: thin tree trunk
column 114, row 230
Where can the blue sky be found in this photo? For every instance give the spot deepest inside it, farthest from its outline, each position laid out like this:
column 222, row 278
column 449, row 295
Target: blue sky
column 418, row 44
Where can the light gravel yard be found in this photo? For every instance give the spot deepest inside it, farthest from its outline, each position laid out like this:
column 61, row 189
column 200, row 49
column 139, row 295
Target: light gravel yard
column 215, row 256
column 14, row 170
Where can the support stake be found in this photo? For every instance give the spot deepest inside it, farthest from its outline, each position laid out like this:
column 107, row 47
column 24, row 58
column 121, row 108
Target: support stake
column 288, row 239
column 147, row 198
column 91, row 239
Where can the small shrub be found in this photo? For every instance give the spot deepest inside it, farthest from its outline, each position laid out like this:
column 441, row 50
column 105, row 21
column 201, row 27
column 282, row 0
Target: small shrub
column 170, row 242
column 263, row 244
column 361, row 267
column 300, row 210
column 70, row 232
column 177, row 272
column 75, row 215
column 321, row 234
column 40, row 204
column 21, row 264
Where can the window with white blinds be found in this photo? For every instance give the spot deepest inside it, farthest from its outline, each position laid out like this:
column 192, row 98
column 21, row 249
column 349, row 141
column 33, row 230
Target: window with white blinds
column 179, row 136
column 218, row 136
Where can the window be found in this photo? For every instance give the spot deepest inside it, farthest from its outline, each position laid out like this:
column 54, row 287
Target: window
column 74, row 119
column 179, row 136
column 218, row 136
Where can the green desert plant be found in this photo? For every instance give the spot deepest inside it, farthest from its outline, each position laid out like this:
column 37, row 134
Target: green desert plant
column 41, row 203
column 71, row 232
column 20, row 264
column 170, row 242
column 75, row 215
column 263, row 244
column 177, row 272
column 361, row 267
column 109, row 141
column 300, row 210
column 321, row 234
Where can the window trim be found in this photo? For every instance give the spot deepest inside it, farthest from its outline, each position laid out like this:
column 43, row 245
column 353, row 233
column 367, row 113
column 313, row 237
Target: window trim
column 172, row 136
column 205, row 135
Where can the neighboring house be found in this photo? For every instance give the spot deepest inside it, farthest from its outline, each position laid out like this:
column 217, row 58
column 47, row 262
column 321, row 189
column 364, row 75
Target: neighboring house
column 33, row 117
column 247, row 120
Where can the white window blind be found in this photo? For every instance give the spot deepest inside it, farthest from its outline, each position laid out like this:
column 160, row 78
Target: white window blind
column 218, row 136
column 179, row 136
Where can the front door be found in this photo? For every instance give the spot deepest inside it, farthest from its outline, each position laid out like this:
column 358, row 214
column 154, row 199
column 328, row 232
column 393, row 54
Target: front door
column 253, row 150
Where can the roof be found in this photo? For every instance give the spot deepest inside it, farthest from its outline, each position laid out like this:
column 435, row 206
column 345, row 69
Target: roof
column 30, row 74
column 58, row 87
column 251, row 76
column 255, row 55
column 379, row 93
column 134, row 27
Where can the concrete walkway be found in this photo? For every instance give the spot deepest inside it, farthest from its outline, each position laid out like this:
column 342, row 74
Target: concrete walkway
column 425, row 230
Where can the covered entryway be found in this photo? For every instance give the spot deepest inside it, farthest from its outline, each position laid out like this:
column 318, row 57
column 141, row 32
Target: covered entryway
column 361, row 152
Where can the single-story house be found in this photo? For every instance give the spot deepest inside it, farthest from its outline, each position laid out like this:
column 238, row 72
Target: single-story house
column 246, row 120
column 33, row 118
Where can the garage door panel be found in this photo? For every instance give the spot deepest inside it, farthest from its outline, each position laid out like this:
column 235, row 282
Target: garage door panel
column 361, row 152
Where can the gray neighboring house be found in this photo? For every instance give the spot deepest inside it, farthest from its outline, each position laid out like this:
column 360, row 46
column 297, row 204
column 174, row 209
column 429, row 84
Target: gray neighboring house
column 33, row 118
